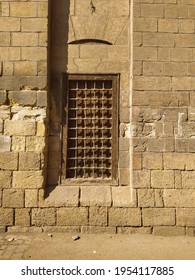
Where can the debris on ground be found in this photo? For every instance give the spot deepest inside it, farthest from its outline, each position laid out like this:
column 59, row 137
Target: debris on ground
column 75, row 237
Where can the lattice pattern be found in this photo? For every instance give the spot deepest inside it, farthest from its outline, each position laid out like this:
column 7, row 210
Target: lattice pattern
column 89, row 146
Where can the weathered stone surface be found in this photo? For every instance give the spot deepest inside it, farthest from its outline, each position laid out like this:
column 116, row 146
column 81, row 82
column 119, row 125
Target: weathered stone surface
column 28, row 179
column 146, row 198
column 124, row 217
column 162, row 179
column 3, row 97
column 29, row 161
column 185, row 217
column 124, row 197
column 13, row 198
column 5, row 143
column 61, row 229
column 35, row 144
column 43, row 217
column 18, row 143
column 168, row 230
column 179, row 198
column 98, row 230
column 8, row 161
column 134, row 230
column 20, row 128
column 23, row 97
column 95, row 196
column 141, row 179
column 98, row 216
column 6, row 217
column 158, row 217
column 72, row 216
column 59, row 196
column 22, row 217
column 188, row 179
column 31, row 198
column 152, row 161
column 5, row 179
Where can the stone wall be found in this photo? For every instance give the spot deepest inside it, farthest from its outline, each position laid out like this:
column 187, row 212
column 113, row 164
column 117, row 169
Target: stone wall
column 155, row 191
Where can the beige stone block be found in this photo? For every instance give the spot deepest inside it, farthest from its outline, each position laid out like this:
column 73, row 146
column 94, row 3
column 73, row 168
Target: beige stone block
column 4, row 39
column 23, row 9
column 176, row 11
column 162, row 179
column 164, row 83
column 20, row 128
column 179, row 161
column 1, row 198
column 93, row 51
column 124, row 176
column 42, row 98
column 184, row 40
column 160, row 145
column 43, row 217
column 5, row 11
column 153, row 68
column 186, row 26
column 35, row 144
column 42, row 9
column 124, row 159
column 137, row 42
column 138, row 68
column 184, row 83
column 22, row 229
column 34, row 24
column 124, row 197
column 163, row 54
column 73, row 216
column 124, row 217
column 43, row 39
column 118, row 51
column 31, row 198
column 168, row 230
column 24, row 39
column 5, row 179
column 168, row 25
column 25, row 68
column 145, row 53
column 124, row 144
column 29, row 161
column 179, row 198
column 191, row 67
column 134, row 230
column 158, row 217
column 13, row 198
column 152, row 10
column 190, row 231
column 98, row 216
column 175, row 69
column 6, row 217
column 181, row 54
column 152, row 161
column 62, row 229
column 34, row 53
column 5, row 143
column 185, row 217
column 145, row 24
column 164, row 129
column 95, row 196
column 8, row 160
column 28, row 179
column 137, row 161
column 159, row 198
column 18, row 143
column 188, row 179
column 22, row 217
column 9, row 24
column 59, row 196
column 141, row 179
column 145, row 83
column 146, row 198
column 98, row 230
column 41, row 68
column 158, row 39
column 9, row 54
column 8, row 68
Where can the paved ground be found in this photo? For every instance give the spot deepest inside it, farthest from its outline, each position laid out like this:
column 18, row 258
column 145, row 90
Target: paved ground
column 58, row 246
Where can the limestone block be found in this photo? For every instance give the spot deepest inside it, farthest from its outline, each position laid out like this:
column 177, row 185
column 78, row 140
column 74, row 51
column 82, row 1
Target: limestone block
column 124, row 197
column 59, row 196
column 181, row 54
column 22, row 217
column 43, row 217
column 93, row 51
column 160, row 145
column 124, row 217
column 159, row 198
column 23, row 9
column 34, row 53
column 145, row 53
column 25, row 68
column 139, row 144
column 28, row 179
column 5, row 143
column 1, row 126
column 146, row 198
column 31, row 198
column 41, row 98
column 145, row 24
column 190, row 231
column 163, row 179
column 141, row 179
column 98, row 230
column 34, row 24
column 158, row 39
column 42, row 9
column 13, row 198
column 4, row 112
column 18, row 143
column 185, row 217
column 35, row 144
column 158, row 217
column 134, row 230
column 168, row 230
column 5, row 179
column 124, row 176
column 24, row 39
column 137, row 161
column 72, row 216
column 124, row 144
column 179, row 198
column 29, row 161
column 98, row 216
column 9, row 24
column 8, row 160
column 188, row 179
column 62, row 229
column 23, row 97
column 152, row 161
column 95, row 196
column 20, row 128
column 6, row 217
column 3, row 97
column 124, row 159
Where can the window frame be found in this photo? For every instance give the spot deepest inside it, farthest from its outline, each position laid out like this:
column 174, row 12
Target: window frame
column 115, row 128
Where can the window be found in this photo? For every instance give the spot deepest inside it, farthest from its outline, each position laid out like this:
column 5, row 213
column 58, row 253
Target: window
column 90, row 130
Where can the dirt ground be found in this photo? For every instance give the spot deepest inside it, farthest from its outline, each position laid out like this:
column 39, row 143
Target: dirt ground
column 110, row 247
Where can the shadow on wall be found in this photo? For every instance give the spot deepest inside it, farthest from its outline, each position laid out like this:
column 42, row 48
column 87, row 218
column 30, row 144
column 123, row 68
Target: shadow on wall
column 59, row 11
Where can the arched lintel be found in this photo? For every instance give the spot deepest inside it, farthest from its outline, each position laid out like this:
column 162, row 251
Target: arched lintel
column 89, row 41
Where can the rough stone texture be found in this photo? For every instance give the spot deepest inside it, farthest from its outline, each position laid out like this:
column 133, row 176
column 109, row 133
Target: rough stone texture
column 179, row 198
column 20, row 128
column 31, row 198
column 8, row 161
column 169, row 230
column 22, row 217
column 5, row 143
column 95, row 196
column 43, row 217
column 158, row 217
column 72, row 216
column 134, row 230
column 3, row 97
column 185, row 217
column 6, row 217
column 29, row 161
column 23, row 97
column 162, row 179
column 98, row 216
column 13, row 198
column 5, row 179
column 27, row 179
column 124, row 197
column 124, row 217
column 98, row 230
column 146, row 198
